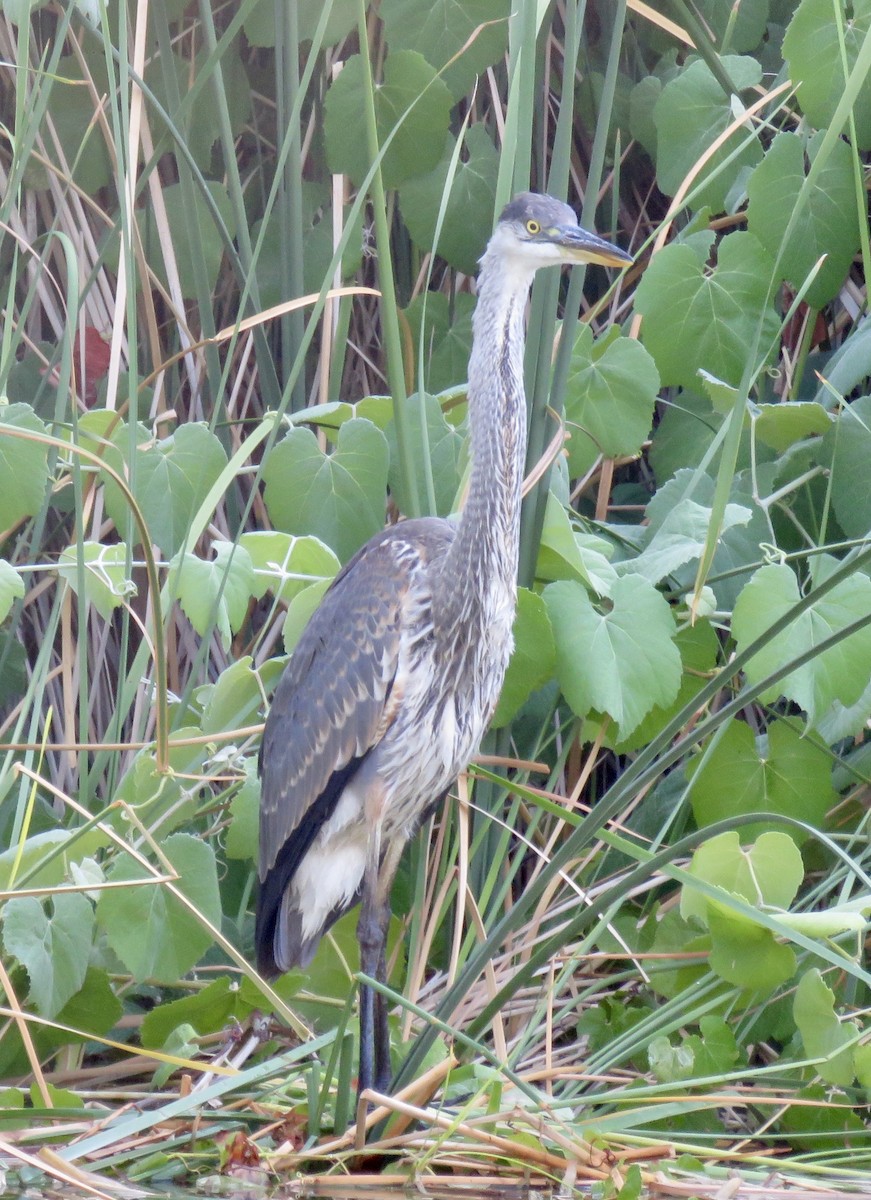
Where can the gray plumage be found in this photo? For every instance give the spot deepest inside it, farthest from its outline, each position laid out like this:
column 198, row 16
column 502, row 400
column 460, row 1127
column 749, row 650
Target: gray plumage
column 394, row 680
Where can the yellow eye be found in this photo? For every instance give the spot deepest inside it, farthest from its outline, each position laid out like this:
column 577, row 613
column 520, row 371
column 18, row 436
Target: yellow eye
column 533, row 227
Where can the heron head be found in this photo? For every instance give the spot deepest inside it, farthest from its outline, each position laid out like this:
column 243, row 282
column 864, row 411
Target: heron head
column 541, row 231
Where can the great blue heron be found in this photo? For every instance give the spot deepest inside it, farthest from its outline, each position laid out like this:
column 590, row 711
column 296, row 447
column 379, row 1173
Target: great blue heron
column 395, row 678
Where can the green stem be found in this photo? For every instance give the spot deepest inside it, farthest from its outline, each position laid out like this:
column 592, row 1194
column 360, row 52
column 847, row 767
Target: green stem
column 389, row 317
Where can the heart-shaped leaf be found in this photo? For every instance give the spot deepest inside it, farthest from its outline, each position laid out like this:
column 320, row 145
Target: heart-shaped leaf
column 338, row 497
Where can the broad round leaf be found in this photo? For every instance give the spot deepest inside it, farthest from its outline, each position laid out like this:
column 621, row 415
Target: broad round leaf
column 769, row 872
column 444, row 446
column 11, row 587
column 532, row 663
column 698, row 646
column 782, row 425
column 208, row 250
column 338, row 497
column 208, row 1010
column 680, row 538
column 840, row 673
column 72, row 107
column 260, row 22
column 153, row 933
column 610, row 397
column 468, row 214
column 54, row 950
column 824, row 1036
column 691, row 113
column 746, row 954
column 848, row 442
column 781, row 772
column 412, row 100
column 170, row 479
column 827, row 223
column 104, row 572
column 696, row 319
column 214, row 593
column 473, row 33
column 23, row 466
column 622, row 661
column 812, row 49
column 741, row 27
column 447, row 337
column 284, row 564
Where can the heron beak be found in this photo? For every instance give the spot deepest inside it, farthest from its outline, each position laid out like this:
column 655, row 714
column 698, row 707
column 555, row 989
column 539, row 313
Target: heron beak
column 584, row 247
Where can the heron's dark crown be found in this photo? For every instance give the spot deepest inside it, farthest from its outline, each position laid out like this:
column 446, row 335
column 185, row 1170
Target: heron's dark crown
column 547, row 210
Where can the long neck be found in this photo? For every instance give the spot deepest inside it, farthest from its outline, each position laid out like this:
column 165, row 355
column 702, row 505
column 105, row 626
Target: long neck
column 481, row 567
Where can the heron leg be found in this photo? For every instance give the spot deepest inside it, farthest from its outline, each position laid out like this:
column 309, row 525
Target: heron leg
column 375, row 1069
column 374, row 1035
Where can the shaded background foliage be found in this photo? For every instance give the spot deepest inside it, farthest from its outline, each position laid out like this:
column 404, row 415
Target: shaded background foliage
column 200, row 424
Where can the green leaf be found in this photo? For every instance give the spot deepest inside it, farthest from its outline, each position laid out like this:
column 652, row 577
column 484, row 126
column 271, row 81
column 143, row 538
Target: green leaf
column 53, row 950
column 741, row 28
column 824, row 1036
column 171, row 479
column 469, row 210
column 72, row 107
column 812, row 49
column 533, row 660
column 445, row 30
column 208, row 1010
column 564, row 553
column 156, row 795
column 23, row 465
column 445, row 447
column 827, row 223
column 716, row 1051
column 153, row 933
column 746, row 954
column 781, row 425
column 851, row 917
column 410, row 86
column 840, row 673
column 338, row 497
column 699, row 647
column 243, row 836
column 642, row 102
column 284, row 564
column 781, row 772
column 768, row 873
column 45, row 845
column 848, row 442
column 680, row 538
column 11, row 587
column 697, row 319
column 202, row 121
column 214, row 593
column 447, row 336
column 299, row 611
column 862, row 1064
column 740, row 539
column 823, row 1121
column 260, row 23
column 317, row 232
column 93, row 1010
column 621, row 662
column 670, row 1063
column 210, row 248
column 690, row 114
column 234, row 699
column 105, row 574
column 610, row 397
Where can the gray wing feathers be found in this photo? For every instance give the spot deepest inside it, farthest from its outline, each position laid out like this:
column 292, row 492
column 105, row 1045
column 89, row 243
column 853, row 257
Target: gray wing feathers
column 336, row 696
